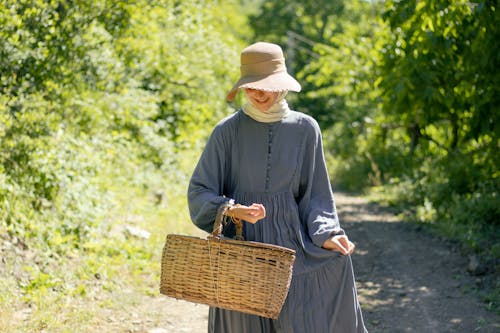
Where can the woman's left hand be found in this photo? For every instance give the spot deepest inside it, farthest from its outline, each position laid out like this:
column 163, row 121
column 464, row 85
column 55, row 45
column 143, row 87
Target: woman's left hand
column 339, row 243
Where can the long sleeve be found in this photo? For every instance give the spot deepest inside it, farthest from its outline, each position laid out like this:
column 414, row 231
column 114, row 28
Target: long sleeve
column 316, row 201
column 205, row 190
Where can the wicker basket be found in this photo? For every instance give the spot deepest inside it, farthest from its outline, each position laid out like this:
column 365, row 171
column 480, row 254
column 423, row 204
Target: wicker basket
column 239, row 275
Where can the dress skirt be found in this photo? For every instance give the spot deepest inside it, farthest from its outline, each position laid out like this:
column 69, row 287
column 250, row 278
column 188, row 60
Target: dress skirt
column 320, row 301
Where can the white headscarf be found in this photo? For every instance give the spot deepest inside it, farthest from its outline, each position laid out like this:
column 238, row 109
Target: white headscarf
column 276, row 112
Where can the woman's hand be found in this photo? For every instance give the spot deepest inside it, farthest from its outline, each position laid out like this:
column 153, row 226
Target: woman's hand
column 339, row 243
column 251, row 214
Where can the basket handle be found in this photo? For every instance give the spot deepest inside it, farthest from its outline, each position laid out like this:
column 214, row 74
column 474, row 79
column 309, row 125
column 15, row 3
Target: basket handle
column 221, row 219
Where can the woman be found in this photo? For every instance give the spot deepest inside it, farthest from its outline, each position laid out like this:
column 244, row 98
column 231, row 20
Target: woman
column 266, row 163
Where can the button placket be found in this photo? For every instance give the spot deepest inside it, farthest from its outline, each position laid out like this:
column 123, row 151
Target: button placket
column 269, row 153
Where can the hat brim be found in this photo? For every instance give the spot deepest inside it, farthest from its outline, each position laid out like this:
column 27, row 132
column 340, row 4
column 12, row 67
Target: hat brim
column 274, row 82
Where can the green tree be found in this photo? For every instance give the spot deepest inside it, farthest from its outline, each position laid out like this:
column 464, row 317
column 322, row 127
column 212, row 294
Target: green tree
column 439, row 70
column 46, row 58
column 407, row 93
column 92, row 90
column 440, row 95
column 440, row 84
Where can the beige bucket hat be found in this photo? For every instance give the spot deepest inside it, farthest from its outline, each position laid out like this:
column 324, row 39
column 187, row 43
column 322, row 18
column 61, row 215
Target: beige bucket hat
column 263, row 68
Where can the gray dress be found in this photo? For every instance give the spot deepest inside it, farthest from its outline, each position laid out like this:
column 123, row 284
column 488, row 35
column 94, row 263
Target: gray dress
column 280, row 165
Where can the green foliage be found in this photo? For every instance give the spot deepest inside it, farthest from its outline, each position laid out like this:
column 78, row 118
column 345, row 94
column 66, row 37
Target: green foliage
column 438, row 82
column 407, row 95
column 184, row 55
column 439, row 70
column 89, row 86
column 43, row 44
column 102, row 105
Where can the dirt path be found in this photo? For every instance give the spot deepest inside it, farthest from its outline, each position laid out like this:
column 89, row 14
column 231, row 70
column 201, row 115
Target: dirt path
column 407, row 282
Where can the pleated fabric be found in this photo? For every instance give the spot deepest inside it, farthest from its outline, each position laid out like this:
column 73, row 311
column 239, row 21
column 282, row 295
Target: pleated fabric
column 280, row 165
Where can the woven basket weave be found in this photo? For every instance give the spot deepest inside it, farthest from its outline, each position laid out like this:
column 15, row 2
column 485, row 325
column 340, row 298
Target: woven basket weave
column 239, row 275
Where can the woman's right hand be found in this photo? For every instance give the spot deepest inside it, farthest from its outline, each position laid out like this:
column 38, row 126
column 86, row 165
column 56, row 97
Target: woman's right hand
column 251, row 214
column 339, row 243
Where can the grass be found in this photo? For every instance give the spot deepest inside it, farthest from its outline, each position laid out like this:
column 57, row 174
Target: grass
column 86, row 287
